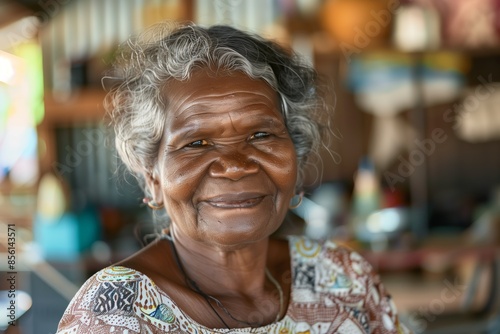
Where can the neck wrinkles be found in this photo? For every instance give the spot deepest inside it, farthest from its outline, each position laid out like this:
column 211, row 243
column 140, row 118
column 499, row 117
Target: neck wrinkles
column 217, row 272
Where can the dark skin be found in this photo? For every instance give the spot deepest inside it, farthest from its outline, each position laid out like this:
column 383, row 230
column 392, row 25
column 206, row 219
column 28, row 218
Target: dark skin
column 158, row 263
column 226, row 172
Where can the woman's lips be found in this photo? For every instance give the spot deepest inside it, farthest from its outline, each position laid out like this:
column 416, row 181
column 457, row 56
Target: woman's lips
column 235, row 201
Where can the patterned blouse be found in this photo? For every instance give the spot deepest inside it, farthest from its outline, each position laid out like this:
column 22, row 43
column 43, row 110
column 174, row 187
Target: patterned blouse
column 334, row 290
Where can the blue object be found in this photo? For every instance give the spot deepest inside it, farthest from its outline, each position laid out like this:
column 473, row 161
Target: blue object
column 382, row 72
column 67, row 237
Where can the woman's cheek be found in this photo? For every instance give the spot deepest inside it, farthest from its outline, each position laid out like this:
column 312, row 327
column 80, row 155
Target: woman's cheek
column 281, row 161
column 183, row 174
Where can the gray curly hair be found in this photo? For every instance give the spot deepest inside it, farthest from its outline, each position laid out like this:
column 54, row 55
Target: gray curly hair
column 137, row 110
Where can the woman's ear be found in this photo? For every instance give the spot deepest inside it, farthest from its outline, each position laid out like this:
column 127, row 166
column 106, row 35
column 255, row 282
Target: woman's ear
column 154, row 186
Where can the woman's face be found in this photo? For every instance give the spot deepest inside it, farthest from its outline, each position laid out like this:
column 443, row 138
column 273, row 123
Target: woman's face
column 226, row 167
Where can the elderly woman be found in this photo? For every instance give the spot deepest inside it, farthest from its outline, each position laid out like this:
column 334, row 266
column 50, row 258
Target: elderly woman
column 219, row 125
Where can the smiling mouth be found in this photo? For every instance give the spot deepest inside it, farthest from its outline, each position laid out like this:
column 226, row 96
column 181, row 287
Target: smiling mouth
column 235, row 201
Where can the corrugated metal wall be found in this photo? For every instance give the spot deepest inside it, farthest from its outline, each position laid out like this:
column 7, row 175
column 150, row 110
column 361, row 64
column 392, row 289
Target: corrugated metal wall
column 84, row 28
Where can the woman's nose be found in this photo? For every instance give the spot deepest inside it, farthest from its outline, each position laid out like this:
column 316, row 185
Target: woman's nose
column 234, row 166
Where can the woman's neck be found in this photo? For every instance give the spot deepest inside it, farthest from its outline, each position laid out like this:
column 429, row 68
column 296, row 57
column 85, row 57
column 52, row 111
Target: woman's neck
column 217, row 272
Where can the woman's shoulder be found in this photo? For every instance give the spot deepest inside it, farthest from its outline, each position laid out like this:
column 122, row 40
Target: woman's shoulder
column 323, row 266
column 304, row 249
column 118, row 276
column 122, row 290
column 108, row 282
column 335, row 277
column 118, row 299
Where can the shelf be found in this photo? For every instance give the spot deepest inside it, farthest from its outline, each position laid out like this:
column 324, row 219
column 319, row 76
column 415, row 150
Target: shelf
column 81, row 107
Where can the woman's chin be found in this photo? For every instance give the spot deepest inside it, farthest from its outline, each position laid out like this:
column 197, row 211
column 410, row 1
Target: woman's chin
column 233, row 226
column 235, row 234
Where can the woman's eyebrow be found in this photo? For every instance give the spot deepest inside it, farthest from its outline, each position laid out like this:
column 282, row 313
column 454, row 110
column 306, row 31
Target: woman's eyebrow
column 177, row 134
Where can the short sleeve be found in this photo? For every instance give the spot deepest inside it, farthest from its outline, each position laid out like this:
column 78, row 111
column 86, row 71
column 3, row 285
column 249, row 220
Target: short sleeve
column 342, row 288
column 382, row 312
column 79, row 309
column 104, row 304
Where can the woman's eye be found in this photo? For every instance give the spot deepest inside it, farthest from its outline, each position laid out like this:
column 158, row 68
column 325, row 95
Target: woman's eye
column 259, row 135
column 198, row 143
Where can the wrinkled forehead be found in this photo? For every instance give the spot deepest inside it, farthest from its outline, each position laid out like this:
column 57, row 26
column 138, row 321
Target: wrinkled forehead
column 207, row 87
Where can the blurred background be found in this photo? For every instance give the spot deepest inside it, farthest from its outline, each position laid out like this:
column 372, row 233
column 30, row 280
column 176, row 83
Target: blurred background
column 409, row 175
